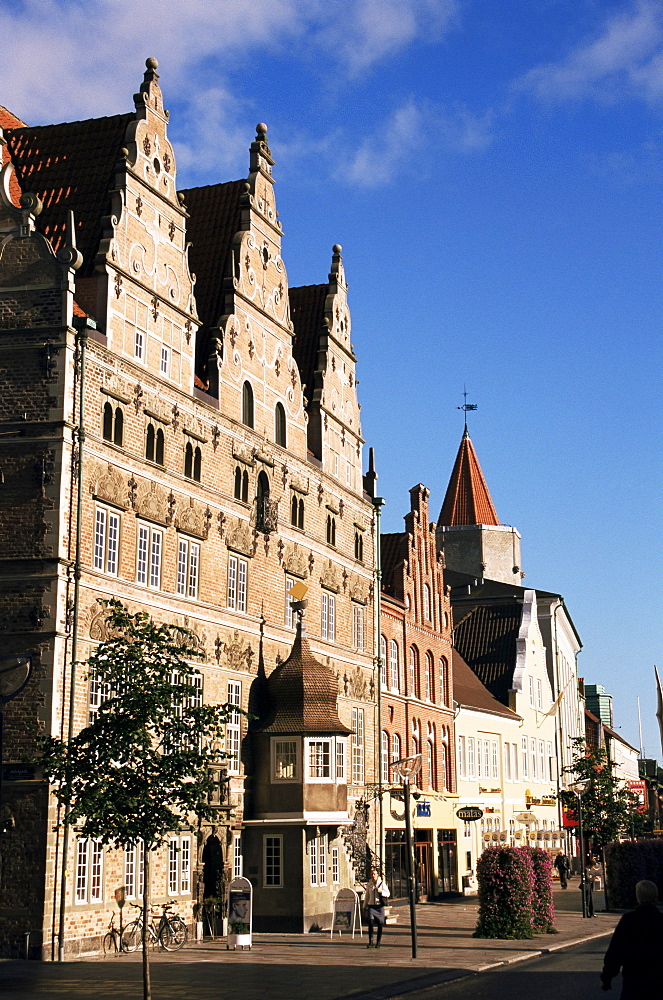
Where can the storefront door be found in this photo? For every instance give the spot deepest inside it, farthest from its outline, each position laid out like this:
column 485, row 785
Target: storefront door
column 447, row 861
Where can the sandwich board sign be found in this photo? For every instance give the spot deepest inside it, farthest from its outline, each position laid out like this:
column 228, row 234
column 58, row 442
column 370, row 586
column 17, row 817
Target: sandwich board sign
column 346, row 914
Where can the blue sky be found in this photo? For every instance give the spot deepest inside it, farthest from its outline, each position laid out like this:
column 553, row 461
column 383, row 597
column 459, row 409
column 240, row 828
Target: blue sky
column 493, row 172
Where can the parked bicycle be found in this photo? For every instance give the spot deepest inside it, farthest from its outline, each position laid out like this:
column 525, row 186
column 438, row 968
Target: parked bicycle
column 169, row 931
column 112, row 939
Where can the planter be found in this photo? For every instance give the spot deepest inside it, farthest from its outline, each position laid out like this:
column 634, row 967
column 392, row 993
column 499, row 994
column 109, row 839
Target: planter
column 239, row 941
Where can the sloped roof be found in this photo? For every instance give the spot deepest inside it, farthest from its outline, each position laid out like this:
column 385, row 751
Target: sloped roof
column 469, row 692
column 467, row 500
column 393, row 549
column 70, row 167
column 307, row 312
column 485, row 636
column 303, row 694
column 214, row 219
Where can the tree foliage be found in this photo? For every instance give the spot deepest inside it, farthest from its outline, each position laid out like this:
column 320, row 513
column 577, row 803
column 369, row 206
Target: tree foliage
column 609, row 809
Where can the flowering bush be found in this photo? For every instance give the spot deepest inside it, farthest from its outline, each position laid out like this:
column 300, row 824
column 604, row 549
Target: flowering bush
column 543, row 909
column 506, row 887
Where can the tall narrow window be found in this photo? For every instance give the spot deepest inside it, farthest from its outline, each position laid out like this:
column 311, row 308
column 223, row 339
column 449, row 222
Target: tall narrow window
column 383, row 661
column 393, row 665
column 296, row 511
column 148, row 559
column 384, row 761
column 359, row 546
column 495, row 759
column 106, row 541
column 524, row 757
column 118, row 428
column 233, row 726
column 197, row 463
column 238, row 859
column 237, row 583
column 328, row 616
column 272, row 862
column 188, row 460
column 89, row 871
column 358, row 626
column 188, row 562
column 289, row 619
column 444, row 691
column 461, row 758
column 336, row 877
column 396, row 747
column 164, row 366
column 413, row 660
column 279, row 425
column 470, row 757
column 159, row 447
column 238, row 483
column 241, row 485
column 99, row 693
column 331, row 529
column 108, row 422
column 149, row 442
column 430, row 755
column 357, row 746
column 247, row 404
column 429, row 676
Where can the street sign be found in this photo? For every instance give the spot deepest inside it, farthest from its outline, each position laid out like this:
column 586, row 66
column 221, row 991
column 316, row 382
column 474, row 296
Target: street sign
column 527, row 818
column 469, row 814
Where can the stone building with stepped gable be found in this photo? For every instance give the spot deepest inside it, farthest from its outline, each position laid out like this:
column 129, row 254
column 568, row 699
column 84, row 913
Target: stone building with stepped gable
column 204, row 417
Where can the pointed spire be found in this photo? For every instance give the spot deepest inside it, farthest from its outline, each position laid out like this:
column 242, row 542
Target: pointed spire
column 467, row 499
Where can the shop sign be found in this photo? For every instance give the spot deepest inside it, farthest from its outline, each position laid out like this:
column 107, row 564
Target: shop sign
column 423, row 808
column 526, row 817
column 639, row 789
column 469, row 814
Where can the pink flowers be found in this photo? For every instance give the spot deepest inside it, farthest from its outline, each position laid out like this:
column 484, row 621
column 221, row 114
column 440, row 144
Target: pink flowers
column 515, row 893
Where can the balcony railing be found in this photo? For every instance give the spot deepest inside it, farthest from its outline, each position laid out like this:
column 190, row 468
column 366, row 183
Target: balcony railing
column 267, row 514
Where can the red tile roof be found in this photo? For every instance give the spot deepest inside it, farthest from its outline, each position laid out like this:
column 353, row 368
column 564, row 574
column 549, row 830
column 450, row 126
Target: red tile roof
column 303, row 694
column 467, row 499
column 70, row 167
column 8, row 120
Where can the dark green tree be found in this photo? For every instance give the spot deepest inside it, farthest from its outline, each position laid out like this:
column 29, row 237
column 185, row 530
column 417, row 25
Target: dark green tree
column 141, row 770
column 609, row 808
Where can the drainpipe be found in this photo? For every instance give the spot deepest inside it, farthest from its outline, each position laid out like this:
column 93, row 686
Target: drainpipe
column 79, row 436
column 378, row 503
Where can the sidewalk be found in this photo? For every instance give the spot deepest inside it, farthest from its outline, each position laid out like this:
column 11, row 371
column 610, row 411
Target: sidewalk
column 309, row 967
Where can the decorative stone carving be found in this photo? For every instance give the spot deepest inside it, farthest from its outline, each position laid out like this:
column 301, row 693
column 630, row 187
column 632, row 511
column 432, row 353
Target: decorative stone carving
column 114, row 385
column 299, row 484
column 265, row 456
column 193, row 520
column 330, row 576
column 295, row 561
column 240, row 538
column 153, row 505
column 243, row 453
column 108, row 484
column 235, row 653
column 355, row 685
column 359, row 590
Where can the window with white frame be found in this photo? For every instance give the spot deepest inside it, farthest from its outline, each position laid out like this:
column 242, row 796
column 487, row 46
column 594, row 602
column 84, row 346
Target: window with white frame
column 495, row 759
column 134, row 870
column 539, row 693
column 430, row 761
column 530, row 681
column 272, row 847
column 289, row 616
column 233, row 726
column 542, row 761
column 393, row 665
column 532, row 747
column 328, row 616
column 358, row 626
column 318, row 860
column 238, row 858
column 285, row 760
column 428, row 678
column 164, row 366
column 413, row 658
column 188, row 567
column 384, row 758
column 335, row 868
column 179, row 866
column 238, row 570
column 383, row 661
column 89, row 871
column 507, row 762
column 524, row 757
column 106, row 540
column 551, row 762
column 357, row 746
column 480, row 773
column 462, row 759
column 148, row 558
column 319, row 759
column 99, row 693
column 470, row 756
column 340, row 759
column 514, row 760
column 444, row 693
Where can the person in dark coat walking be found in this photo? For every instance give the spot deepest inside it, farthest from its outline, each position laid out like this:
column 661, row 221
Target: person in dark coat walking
column 636, row 949
column 563, row 866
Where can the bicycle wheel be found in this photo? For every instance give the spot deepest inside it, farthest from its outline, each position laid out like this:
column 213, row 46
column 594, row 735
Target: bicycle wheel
column 110, row 942
column 173, row 934
column 132, row 936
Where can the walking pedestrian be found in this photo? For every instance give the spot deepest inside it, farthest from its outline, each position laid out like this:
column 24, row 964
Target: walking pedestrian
column 377, row 893
column 635, row 948
column 592, row 871
column 563, row 866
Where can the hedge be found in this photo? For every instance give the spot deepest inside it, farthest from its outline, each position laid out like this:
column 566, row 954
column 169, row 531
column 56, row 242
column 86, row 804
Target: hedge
column 628, row 862
column 506, row 888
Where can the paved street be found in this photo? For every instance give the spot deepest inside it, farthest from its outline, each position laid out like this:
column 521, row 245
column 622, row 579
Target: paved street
column 310, row 967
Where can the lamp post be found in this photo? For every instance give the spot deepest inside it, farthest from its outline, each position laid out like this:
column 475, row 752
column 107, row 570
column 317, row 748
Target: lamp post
column 14, row 675
column 579, row 788
column 405, row 769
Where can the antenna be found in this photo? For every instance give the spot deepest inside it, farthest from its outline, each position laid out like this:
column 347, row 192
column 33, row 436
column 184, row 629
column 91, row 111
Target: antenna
column 466, row 406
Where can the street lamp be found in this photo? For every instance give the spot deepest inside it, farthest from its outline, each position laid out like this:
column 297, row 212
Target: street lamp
column 405, row 769
column 14, row 675
column 579, row 788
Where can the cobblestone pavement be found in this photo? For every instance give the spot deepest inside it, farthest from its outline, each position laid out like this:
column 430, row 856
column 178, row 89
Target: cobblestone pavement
column 306, row 967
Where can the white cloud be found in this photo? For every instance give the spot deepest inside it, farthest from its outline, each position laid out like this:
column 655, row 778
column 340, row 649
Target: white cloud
column 625, row 58
column 405, row 136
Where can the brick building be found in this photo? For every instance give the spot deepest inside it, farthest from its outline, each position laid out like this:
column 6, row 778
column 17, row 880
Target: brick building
column 205, row 436
column 417, row 700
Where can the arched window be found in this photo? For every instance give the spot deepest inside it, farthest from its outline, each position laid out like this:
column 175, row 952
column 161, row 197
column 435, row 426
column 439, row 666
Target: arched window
column 149, row 443
column 413, row 663
column 118, row 430
column 331, row 530
column 108, row 422
column 247, row 404
column 393, row 665
column 238, row 483
column 416, row 779
column 359, row 546
column 384, row 761
column 263, row 486
column 383, row 663
column 300, row 514
column 430, row 754
column 396, row 747
column 279, row 425
column 444, row 690
column 429, row 677
column 427, row 614
column 188, row 460
column 197, row 464
column 297, row 511
column 159, row 448
column 445, row 767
